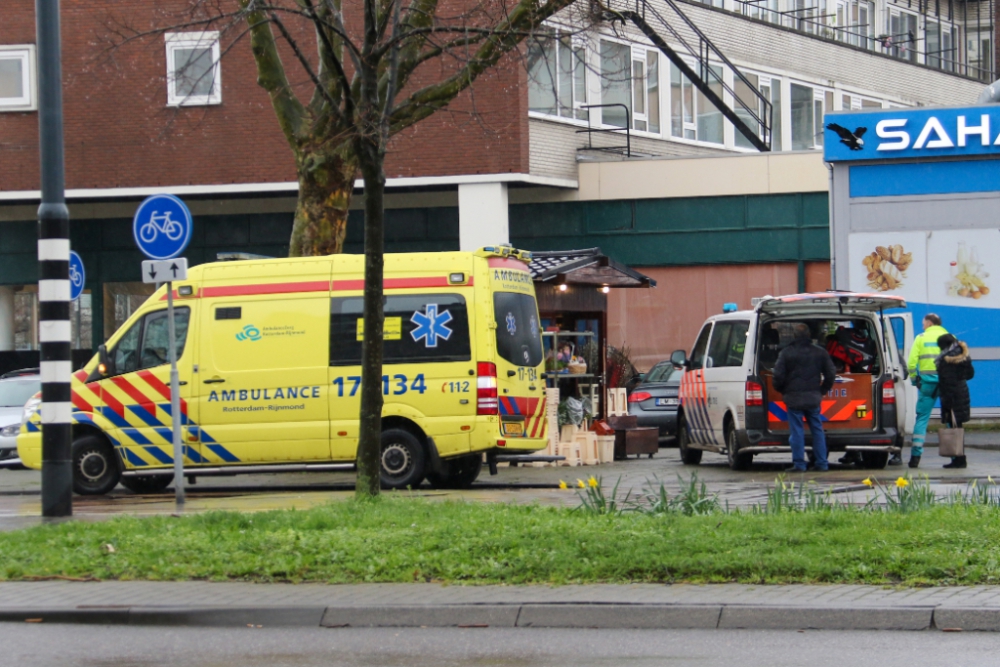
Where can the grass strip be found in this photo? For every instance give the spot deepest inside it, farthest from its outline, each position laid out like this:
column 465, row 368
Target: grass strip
column 406, row 540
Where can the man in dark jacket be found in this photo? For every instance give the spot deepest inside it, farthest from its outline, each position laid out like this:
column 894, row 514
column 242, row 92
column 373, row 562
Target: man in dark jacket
column 804, row 373
column 954, row 366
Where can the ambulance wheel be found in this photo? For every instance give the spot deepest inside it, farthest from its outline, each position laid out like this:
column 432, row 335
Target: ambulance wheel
column 402, row 460
column 147, row 483
column 874, row 460
column 95, row 470
column 458, row 473
column 689, row 456
column 737, row 461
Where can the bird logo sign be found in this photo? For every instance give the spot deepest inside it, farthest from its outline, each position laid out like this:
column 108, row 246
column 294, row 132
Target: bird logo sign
column 850, row 139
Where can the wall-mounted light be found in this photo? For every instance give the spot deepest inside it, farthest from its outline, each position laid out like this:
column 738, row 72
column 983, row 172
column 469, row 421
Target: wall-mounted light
column 605, row 289
column 563, row 287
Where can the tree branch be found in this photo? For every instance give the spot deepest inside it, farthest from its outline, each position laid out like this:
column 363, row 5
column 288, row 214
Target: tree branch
column 271, row 75
column 506, row 36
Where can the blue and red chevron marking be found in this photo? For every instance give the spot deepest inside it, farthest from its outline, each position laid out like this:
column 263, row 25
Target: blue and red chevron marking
column 779, row 412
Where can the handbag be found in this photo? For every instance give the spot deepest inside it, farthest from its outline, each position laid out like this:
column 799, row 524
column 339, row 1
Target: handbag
column 951, row 440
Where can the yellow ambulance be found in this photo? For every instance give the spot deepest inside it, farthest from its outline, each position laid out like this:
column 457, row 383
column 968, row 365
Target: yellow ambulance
column 269, row 361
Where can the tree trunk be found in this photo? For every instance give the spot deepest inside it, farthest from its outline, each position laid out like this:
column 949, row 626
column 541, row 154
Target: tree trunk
column 326, row 182
column 370, row 436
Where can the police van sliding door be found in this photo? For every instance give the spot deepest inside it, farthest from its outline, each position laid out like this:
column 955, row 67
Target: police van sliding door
column 429, row 375
column 262, row 380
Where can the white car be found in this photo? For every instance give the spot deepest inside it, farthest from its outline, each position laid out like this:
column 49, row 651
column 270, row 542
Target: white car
column 16, row 389
column 729, row 404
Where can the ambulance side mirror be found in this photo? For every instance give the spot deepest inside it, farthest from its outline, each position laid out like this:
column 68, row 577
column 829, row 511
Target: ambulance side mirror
column 104, row 365
column 679, row 358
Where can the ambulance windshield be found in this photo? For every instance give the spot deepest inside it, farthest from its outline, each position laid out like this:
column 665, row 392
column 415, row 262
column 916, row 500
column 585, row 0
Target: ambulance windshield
column 519, row 336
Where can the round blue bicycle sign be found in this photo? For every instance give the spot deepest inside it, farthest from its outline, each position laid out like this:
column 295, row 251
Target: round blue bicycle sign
column 162, row 227
column 77, row 276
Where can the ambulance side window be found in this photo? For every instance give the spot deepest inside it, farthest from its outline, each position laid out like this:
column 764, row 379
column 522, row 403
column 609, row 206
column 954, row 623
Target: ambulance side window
column 155, row 337
column 700, row 347
column 418, row 327
column 129, row 356
column 126, row 353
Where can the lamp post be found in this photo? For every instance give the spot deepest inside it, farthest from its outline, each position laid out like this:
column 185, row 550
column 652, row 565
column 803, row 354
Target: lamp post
column 53, row 273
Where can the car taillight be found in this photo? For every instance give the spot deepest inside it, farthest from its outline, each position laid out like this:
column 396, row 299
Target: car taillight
column 755, row 394
column 889, row 393
column 639, row 396
column 486, row 389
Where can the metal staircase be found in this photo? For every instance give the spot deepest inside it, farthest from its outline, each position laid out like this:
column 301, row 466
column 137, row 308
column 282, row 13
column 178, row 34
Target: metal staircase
column 751, row 118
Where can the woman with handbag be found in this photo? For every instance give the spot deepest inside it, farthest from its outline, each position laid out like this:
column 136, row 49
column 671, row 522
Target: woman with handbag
column 954, row 366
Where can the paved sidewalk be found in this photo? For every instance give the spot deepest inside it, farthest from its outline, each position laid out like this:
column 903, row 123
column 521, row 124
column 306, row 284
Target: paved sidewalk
column 432, row 605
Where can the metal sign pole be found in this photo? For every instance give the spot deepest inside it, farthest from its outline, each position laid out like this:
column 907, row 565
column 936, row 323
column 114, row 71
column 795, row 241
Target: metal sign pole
column 53, row 273
column 175, row 398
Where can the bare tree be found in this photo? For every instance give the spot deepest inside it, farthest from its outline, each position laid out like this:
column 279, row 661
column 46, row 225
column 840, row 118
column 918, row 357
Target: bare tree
column 376, row 67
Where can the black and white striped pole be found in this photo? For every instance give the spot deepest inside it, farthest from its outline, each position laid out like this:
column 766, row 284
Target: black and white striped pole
column 53, row 273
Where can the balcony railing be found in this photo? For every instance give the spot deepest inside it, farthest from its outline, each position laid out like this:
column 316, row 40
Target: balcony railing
column 903, row 45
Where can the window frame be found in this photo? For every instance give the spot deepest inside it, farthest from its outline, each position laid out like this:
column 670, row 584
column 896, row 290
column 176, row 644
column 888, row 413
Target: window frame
column 578, row 54
column 27, row 55
column 193, row 40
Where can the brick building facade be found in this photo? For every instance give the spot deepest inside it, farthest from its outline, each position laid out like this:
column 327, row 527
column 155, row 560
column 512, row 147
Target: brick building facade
column 495, row 165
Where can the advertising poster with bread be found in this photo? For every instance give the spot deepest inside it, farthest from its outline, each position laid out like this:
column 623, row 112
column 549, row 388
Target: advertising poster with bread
column 889, row 263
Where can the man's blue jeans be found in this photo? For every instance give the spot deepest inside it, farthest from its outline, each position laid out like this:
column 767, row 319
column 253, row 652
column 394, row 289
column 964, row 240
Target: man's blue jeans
column 797, row 438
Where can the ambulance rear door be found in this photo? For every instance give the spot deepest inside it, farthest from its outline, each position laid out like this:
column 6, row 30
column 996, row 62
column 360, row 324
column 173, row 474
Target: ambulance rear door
column 519, row 356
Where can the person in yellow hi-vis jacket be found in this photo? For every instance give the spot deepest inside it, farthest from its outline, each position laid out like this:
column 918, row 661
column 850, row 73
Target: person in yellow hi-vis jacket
column 923, row 374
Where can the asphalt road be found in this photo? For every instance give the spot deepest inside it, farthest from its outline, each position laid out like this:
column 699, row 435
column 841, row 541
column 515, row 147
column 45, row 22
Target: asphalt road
column 105, row 646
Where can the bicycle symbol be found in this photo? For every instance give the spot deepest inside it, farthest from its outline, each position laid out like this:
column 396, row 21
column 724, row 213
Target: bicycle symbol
column 75, row 276
column 160, row 224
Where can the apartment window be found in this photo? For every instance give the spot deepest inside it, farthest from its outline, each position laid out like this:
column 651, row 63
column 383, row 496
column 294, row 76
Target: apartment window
column 940, row 45
column 765, row 10
column 193, row 72
column 692, row 116
column 17, row 78
column 808, row 107
column 902, row 38
column 616, row 82
column 645, row 90
column 770, row 89
column 979, row 52
column 557, row 77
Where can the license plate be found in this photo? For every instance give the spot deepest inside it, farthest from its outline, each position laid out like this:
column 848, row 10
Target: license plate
column 512, row 429
column 663, row 402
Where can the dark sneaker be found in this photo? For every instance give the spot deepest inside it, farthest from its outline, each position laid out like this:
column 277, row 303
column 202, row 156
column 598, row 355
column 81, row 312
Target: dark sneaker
column 957, row 462
column 914, row 462
column 794, row 469
column 895, row 460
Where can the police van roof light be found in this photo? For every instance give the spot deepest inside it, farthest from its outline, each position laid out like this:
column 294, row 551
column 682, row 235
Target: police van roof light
column 729, row 307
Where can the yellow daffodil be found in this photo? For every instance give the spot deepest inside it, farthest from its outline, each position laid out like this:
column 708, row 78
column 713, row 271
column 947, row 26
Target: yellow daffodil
column 580, row 483
column 592, row 481
column 868, row 482
column 563, row 485
column 902, row 482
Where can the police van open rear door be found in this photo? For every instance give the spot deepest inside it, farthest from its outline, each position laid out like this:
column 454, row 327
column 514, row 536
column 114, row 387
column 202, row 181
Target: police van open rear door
column 899, row 330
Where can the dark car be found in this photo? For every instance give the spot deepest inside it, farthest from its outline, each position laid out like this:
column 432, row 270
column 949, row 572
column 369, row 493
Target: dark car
column 655, row 400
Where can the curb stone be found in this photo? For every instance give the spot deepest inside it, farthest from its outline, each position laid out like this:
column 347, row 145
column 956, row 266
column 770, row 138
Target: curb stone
column 528, row 615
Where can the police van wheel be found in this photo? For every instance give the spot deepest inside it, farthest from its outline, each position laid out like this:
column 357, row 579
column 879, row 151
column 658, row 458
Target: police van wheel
column 737, row 461
column 402, row 460
column 689, row 456
column 458, row 473
column 147, row 483
column 95, row 470
column 874, row 460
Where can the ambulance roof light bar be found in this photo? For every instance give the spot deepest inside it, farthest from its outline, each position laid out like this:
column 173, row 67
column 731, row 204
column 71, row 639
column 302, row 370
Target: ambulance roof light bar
column 504, row 250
